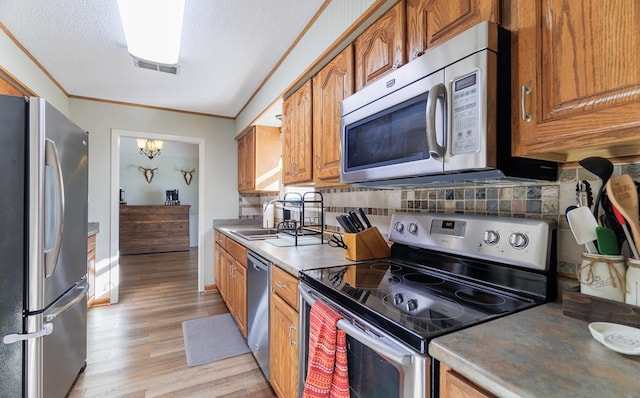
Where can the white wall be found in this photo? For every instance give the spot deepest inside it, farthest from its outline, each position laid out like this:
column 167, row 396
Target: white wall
column 220, row 187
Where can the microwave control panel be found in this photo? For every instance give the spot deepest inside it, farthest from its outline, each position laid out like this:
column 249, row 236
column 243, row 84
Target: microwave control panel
column 465, row 109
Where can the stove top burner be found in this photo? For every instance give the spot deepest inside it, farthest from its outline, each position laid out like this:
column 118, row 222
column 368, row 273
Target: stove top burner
column 480, row 297
column 423, row 279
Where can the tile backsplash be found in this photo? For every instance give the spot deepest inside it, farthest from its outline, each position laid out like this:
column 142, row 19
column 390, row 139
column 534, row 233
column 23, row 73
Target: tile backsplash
column 546, row 200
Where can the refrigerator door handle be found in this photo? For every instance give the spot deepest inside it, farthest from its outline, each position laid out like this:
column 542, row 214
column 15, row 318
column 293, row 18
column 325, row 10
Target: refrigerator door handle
column 51, row 255
column 78, row 291
column 46, row 330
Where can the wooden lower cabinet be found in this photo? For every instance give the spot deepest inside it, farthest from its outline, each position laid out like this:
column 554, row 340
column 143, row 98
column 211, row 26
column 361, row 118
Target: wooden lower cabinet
column 231, row 279
column 283, row 334
column 91, row 269
column 454, row 385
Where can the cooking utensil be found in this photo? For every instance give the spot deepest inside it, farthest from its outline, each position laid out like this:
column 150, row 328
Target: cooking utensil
column 343, row 224
column 602, row 168
column 583, row 225
column 607, row 241
column 356, row 221
column 364, row 217
column 623, row 195
column 623, row 223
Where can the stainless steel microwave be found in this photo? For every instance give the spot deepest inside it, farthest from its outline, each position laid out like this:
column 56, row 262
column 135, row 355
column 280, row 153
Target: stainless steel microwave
column 444, row 116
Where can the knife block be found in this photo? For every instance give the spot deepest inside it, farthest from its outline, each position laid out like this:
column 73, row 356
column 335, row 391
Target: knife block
column 365, row 245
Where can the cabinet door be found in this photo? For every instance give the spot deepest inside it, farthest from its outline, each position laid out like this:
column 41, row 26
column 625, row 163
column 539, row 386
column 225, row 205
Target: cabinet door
column 297, row 135
column 432, row 22
column 283, row 348
column 219, row 268
column 239, row 293
column 578, row 80
column 331, row 85
column 380, row 48
column 246, row 161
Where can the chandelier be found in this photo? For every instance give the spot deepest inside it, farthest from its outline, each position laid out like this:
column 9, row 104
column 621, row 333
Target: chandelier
column 149, row 148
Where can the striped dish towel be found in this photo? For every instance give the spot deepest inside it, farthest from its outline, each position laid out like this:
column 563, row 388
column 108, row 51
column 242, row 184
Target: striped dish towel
column 327, row 375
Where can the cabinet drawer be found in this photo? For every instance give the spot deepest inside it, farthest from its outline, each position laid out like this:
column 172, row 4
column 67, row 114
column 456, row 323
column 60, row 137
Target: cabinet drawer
column 285, row 285
column 237, row 251
column 220, row 238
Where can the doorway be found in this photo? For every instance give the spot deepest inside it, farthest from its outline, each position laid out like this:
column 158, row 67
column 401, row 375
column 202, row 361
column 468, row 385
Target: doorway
column 117, row 138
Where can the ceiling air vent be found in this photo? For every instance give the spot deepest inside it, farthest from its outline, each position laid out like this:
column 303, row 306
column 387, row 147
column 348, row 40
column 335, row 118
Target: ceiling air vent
column 144, row 64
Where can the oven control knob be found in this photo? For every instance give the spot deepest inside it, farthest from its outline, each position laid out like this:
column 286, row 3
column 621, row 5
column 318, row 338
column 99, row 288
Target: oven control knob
column 412, row 304
column 398, row 299
column 518, row 240
column 399, row 226
column 491, row 237
column 413, row 228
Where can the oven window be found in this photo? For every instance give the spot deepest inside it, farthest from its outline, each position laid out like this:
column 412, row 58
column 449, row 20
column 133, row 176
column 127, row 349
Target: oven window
column 396, row 135
column 370, row 375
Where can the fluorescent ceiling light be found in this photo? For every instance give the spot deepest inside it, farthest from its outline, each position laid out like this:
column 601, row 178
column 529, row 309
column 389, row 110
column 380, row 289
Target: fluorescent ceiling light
column 153, row 28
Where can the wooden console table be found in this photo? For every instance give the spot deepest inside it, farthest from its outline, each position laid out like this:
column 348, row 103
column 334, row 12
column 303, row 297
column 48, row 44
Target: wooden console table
column 154, row 229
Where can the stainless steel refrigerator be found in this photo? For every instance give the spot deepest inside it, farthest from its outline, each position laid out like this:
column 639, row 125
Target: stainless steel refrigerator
column 43, row 249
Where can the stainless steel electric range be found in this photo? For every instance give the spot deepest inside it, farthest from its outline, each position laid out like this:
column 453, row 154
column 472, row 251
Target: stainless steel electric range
column 446, row 272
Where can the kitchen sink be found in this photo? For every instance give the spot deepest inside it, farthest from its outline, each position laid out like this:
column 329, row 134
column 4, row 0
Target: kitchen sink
column 256, row 234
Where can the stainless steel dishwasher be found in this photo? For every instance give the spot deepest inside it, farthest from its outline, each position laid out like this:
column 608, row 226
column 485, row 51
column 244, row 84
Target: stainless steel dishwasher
column 258, row 283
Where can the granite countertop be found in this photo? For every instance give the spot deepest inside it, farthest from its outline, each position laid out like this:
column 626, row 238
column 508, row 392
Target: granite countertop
column 290, row 258
column 538, row 353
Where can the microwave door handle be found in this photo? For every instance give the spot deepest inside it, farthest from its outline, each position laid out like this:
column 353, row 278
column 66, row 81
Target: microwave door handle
column 436, row 93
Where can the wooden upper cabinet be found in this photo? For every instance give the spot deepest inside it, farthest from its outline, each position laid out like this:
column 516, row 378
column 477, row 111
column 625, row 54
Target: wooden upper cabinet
column 432, row 22
column 380, row 48
column 576, row 89
column 6, row 88
column 259, row 160
column 331, row 85
column 297, row 136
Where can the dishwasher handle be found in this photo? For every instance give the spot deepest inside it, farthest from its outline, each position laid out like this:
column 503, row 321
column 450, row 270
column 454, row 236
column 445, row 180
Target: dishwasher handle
column 258, row 263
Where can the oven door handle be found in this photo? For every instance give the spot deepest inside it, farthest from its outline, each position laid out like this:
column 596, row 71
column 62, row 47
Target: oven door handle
column 374, row 343
column 362, row 336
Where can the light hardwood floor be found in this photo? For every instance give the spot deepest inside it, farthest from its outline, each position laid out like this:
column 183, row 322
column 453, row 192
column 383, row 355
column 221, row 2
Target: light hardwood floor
column 136, row 348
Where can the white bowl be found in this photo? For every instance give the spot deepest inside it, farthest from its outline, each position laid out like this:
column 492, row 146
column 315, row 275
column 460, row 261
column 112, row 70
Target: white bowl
column 619, row 338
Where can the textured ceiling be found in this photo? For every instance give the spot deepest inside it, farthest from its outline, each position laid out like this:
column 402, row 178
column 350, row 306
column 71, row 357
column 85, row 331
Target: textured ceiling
column 228, row 49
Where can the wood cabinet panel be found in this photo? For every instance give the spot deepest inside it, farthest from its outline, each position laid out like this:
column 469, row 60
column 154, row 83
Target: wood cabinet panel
column 379, row 49
column 283, row 348
column 297, row 136
column 454, row 385
column 237, row 251
column 259, row 153
column 331, row 85
column 432, row 22
column 285, row 285
column 238, row 287
column 91, row 268
column 154, row 229
column 577, row 78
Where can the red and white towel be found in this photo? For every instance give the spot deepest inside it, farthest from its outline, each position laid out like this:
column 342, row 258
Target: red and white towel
column 327, row 375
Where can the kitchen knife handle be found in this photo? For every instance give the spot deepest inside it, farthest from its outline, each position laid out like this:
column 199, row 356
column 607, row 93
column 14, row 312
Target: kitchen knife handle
column 356, row 221
column 343, row 224
column 352, row 227
column 363, row 215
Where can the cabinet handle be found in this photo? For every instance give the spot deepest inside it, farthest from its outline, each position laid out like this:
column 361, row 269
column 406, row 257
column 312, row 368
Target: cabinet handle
column 281, row 285
column 232, row 271
column 291, row 340
column 318, row 162
column 526, row 90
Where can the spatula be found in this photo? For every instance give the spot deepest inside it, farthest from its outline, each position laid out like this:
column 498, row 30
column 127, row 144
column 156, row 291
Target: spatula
column 624, row 196
column 607, row 241
column 583, row 225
